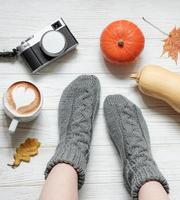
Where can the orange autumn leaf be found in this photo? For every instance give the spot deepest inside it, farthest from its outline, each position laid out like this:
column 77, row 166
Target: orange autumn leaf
column 25, row 151
column 172, row 44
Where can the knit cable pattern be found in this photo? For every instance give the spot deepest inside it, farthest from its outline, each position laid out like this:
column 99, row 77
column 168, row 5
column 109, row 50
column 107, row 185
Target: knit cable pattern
column 129, row 132
column 77, row 110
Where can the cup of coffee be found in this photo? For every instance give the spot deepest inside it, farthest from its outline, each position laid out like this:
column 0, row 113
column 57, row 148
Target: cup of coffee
column 22, row 102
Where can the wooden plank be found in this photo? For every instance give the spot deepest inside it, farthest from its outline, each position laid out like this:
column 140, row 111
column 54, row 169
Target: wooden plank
column 89, row 20
column 113, row 191
column 104, row 165
column 88, row 59
column 53, row 85
column 164, row 129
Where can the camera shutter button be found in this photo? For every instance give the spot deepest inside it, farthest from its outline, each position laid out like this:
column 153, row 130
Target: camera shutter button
column 52, row 43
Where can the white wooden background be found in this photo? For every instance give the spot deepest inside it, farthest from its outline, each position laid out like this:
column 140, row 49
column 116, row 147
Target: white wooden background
column 86, row 19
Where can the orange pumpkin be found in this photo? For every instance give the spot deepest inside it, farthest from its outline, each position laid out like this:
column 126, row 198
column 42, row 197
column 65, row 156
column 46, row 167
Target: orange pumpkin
column 121, row 41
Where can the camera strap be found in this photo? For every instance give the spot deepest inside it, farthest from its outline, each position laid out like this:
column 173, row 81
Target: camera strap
column 9, row 54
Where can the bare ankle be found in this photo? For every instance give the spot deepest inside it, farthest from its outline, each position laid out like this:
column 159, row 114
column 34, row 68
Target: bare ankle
column 153, row 190
column 64, row 167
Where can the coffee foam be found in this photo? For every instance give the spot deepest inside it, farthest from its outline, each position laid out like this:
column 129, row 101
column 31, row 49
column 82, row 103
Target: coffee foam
column 23, row 97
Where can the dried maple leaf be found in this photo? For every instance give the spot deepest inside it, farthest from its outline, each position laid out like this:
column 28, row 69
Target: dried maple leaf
column 172, row 44
column 25, row 151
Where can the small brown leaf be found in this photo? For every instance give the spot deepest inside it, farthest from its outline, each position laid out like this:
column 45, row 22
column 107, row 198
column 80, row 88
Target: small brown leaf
column 25, row 151
column 172, row 44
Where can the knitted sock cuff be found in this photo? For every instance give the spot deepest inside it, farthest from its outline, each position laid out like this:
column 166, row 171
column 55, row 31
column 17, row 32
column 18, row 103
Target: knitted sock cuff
column 70, row 155
column 137, row 176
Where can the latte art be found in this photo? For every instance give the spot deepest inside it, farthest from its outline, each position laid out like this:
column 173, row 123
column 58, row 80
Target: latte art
column 23, row 97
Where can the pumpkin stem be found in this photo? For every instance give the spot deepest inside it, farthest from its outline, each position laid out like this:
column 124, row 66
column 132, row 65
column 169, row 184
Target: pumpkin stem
column 155, row 26
column 120, row 43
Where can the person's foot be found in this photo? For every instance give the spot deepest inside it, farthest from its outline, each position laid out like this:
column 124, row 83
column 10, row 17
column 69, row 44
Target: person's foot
column 77, row 110
column 129, row 133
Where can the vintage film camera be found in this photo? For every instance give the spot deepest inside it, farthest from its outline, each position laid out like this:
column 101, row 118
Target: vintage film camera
column 47, row 45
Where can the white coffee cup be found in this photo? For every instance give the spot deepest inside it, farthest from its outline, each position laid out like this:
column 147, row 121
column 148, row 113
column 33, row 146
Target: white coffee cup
column 19, row 96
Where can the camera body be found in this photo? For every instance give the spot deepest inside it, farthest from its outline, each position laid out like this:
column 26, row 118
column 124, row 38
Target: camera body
column 47, row 45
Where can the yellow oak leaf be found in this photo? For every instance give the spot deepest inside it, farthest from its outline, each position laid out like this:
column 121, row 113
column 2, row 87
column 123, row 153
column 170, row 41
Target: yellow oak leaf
column 172, row 44
column 25, row 151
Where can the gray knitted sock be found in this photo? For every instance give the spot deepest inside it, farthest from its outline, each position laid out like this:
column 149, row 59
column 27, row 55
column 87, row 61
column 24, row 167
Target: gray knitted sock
column 129, row 133
column 77, row 110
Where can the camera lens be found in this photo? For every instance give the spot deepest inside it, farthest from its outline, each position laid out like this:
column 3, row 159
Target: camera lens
column 52, row 43
column 56, row 25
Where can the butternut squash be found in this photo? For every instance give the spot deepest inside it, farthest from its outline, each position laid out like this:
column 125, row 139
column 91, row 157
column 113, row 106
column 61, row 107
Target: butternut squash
column 160, row 83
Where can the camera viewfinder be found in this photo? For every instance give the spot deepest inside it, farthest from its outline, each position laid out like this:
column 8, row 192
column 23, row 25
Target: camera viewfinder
column 56, row 25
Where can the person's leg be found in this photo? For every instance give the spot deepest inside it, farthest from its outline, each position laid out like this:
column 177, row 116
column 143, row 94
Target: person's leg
column 77, row 111
column 61, row 184
column 152, row 190
column 129, row 133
